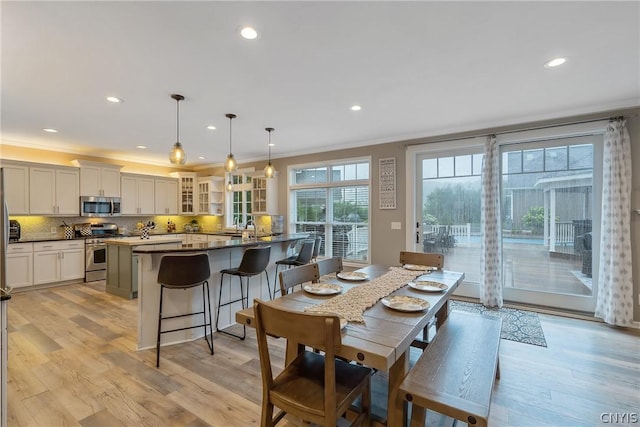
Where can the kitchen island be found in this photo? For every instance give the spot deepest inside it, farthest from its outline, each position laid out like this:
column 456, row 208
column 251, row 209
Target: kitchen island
column 222, row 254
column 122, row 264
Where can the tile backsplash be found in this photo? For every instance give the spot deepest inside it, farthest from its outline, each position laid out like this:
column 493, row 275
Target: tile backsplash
column 38, row 227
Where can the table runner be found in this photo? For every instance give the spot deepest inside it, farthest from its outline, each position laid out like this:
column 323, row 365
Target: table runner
column 352, row 304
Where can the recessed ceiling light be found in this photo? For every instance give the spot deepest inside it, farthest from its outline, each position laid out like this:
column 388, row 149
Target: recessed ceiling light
column 211, row 127
column 356, row 108
column 114, row 99
column 555, row 62
column 248, row 33
column 50, row 130
column 271, row 144
column 142, row 147
column 201, row 157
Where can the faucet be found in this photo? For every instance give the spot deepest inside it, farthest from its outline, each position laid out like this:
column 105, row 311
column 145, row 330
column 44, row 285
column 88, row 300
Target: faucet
column 250, row 222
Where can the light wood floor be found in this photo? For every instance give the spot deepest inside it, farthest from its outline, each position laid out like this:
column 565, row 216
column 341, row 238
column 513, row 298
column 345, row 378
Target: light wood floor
column 72, row 362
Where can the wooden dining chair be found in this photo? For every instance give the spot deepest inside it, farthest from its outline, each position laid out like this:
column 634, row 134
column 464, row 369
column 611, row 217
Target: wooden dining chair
column 315, row 387
column 431, row 259
column 329, row 265
column 297, row 276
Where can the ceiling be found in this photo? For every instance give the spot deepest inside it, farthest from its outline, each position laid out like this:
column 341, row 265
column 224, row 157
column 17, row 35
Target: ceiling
column 418, row 69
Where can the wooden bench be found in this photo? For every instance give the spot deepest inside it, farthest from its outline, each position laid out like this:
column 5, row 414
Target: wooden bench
column 455, row 374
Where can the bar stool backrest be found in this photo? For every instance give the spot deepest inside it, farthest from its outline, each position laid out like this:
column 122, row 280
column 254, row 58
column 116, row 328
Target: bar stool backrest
column 316, row 247
column 183, row 271
column 306, row 252
column 255, row 260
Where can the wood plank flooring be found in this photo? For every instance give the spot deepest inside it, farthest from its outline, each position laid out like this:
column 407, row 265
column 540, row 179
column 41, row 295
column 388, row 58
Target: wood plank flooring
column 72, row 362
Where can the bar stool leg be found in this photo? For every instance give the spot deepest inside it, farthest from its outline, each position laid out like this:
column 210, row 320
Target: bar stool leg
column 269, row 286
column 159, row 328
column 204, row 314
column 220, row 304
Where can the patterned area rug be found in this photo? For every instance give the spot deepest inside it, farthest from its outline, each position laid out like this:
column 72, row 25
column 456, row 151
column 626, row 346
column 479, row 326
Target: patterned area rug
column 517, row 325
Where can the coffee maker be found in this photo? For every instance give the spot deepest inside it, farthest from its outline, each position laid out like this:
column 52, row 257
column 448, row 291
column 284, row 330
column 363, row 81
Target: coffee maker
column 14, row 230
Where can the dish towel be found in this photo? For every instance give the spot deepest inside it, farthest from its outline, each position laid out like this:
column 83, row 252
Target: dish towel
column 352, row 304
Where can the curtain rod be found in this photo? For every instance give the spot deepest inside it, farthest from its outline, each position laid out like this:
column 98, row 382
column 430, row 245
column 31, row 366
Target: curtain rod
column 486, row 134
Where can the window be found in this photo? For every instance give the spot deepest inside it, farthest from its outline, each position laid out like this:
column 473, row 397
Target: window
column 332, row 200
column 239, row 199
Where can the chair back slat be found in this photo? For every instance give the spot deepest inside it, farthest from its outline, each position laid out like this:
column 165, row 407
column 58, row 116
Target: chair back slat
column 296, row 326
column 419, row 258
column 298, row 275
column 329, row 265
column 255, row 260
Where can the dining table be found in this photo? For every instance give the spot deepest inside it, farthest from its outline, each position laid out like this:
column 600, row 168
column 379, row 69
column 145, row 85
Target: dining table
column 382, row 337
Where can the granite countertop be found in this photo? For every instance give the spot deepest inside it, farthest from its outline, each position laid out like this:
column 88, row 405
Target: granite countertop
column 222, row 244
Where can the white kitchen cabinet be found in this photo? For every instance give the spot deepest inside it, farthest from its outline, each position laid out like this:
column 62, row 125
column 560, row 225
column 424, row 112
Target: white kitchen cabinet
column 20, row 265
column 16, row 188
column 54, row 191
column 186, row 192
column 264, row 196
column 137, row 194
column 72, row 259
column 58, row 261
column 166, row 197
column 211, row 195
column 98, row 179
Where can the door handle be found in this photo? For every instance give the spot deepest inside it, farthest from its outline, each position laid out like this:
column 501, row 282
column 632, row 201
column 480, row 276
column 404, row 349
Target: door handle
column 417, row 237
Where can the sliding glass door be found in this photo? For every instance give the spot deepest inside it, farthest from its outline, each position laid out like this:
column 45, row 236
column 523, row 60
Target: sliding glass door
column 549, row 226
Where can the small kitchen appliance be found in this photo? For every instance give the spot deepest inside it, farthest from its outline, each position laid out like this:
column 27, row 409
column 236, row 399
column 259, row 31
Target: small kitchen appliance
column 14, row 230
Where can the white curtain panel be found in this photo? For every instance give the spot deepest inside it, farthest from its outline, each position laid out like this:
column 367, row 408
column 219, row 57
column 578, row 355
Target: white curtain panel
column 491, row 245
column 615, row 284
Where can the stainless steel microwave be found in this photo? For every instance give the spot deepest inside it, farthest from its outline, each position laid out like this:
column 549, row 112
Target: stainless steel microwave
column 99, row 206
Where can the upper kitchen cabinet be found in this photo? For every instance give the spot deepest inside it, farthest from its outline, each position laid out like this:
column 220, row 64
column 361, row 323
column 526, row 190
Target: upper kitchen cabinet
column 137, row 195
column 166, row 196
column 16, row 189
column 264, row 194
column 211, row 195
column 54, row 191
column 99, row 179
column 186, row 192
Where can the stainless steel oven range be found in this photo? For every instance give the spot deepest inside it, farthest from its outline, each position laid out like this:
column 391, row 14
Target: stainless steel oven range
column 96, row 251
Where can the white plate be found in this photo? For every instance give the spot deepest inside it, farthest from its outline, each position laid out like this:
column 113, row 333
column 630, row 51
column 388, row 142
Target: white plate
column 416, row 267
column 405, row 303
column 352, row 275
column 322, row 288
column 428, row 286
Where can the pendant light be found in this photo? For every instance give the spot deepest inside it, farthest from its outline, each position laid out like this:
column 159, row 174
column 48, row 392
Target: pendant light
column 230, row 165
column 269, row 170
column 177, row 155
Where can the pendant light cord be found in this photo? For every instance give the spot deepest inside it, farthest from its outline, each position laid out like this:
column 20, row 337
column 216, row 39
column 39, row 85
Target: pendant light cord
column 177, row 120
column 230, row 119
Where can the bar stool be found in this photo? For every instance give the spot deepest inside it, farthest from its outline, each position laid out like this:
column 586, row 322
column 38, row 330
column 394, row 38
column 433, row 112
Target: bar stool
column 316, row 249
column 303, row 257
column 185, row 272
column 254, row 261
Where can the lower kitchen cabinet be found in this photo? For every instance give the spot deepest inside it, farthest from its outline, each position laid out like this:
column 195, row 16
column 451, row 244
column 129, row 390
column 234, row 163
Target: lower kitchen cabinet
column 20, row 265
column 58, row 261
column 122, row 271
column 122, row 268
